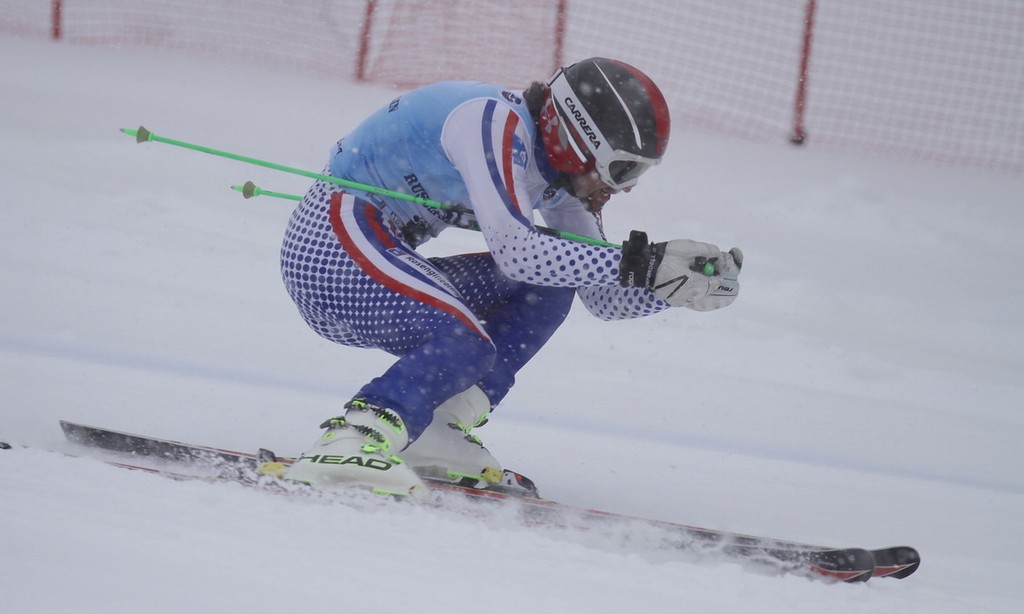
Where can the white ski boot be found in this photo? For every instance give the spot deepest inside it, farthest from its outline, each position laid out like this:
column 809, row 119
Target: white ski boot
column 360, row 449
column 448, row 451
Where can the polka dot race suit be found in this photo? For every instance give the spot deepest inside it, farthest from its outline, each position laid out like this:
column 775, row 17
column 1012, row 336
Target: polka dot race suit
column 349, row 260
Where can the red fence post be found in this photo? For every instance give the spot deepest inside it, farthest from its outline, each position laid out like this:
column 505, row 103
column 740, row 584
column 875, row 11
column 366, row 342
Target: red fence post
column 559, row 35
column 799, row 134
column 364, row 42
column 56, row 16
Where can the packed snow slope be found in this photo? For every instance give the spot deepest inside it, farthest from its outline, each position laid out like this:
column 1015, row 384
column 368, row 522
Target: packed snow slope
column 864, row 390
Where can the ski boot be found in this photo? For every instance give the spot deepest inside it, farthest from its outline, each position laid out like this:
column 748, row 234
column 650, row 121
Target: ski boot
column 448, row 451
column 360, row 448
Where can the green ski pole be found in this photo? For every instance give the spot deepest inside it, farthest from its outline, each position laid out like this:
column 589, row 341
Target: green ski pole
column 251, row 190
column 143, row 135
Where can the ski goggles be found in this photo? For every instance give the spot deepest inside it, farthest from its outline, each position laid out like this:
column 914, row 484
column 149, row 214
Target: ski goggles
column 617, row 168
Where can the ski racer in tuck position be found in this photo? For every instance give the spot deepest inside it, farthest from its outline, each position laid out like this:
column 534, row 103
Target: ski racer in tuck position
column 462, row 326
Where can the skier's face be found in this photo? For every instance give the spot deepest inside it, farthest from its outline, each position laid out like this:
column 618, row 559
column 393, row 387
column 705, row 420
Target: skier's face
column 594, row 193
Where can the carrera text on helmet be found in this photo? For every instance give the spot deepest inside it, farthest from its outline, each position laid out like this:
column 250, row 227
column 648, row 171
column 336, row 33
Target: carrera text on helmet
column 582, row 122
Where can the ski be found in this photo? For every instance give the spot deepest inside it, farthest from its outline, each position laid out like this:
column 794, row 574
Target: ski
column 164, row 472
column 844, row 564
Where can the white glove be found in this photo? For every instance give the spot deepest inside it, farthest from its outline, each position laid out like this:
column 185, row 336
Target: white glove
column 680, row 278
column 682, row 273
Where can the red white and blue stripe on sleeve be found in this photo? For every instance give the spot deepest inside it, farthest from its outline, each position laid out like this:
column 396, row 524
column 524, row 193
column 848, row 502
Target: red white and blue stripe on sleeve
column 503, row 183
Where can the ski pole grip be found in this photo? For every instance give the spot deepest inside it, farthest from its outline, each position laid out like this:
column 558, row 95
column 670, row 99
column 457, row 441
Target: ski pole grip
column 702, row 265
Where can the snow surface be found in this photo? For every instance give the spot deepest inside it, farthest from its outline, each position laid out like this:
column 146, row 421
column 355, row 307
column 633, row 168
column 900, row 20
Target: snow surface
column 864, row 390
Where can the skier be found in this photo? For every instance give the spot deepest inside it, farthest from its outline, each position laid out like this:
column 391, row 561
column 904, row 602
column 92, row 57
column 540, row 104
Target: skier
column 461, row 326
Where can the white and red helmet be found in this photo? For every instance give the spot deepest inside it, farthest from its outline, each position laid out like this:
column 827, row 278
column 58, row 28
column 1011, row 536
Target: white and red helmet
column 607, row 116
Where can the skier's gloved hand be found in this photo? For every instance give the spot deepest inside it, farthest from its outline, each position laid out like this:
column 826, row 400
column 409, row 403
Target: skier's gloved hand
column 682, row 273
